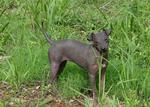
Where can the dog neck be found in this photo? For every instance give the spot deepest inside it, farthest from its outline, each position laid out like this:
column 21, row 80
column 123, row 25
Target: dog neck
column 96, row 48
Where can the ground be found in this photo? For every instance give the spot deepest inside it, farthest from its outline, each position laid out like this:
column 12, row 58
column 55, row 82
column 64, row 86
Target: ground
column 24, row 65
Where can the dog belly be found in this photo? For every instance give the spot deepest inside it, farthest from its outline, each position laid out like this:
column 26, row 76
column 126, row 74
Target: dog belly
column 79, row 61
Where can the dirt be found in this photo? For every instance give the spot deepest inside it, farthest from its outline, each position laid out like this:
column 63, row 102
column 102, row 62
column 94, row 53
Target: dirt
column 30, row 96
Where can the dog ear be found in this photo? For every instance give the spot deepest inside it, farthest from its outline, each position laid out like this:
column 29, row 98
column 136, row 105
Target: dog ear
column 107, row 31
column 91, row 37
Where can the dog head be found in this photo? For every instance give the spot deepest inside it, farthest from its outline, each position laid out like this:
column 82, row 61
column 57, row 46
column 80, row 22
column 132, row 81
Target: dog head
column 100, row 40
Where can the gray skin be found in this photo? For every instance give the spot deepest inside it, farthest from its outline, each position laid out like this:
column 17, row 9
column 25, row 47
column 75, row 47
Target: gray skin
column 85, row 55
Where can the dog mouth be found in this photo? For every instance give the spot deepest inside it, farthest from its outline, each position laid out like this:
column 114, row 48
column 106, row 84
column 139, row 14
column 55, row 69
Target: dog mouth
column 101, row 50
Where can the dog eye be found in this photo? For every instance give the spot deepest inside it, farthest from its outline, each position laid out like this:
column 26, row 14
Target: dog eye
column 106, row 40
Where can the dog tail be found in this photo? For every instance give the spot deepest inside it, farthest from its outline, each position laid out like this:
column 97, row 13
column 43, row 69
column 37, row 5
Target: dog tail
column 49, row 40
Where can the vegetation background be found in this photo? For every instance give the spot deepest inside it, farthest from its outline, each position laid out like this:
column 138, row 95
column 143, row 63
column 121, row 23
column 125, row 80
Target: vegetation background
column 23, row 48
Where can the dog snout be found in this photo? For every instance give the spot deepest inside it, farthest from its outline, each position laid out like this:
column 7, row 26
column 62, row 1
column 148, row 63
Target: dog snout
column 103, row 49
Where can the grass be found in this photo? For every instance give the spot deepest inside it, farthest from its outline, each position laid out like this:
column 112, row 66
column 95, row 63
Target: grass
column 24, row 50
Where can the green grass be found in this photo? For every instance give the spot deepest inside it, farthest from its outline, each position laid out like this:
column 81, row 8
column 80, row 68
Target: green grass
column 25, row 48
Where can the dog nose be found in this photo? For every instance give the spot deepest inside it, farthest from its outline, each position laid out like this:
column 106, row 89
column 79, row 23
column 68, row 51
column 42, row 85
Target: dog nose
column 103, row 49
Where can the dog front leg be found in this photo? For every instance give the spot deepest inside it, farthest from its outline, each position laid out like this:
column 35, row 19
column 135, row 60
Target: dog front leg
column 103, row 72
column 93, row 85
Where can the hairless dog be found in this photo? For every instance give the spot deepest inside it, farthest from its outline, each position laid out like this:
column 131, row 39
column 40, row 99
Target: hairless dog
column 85, row 55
